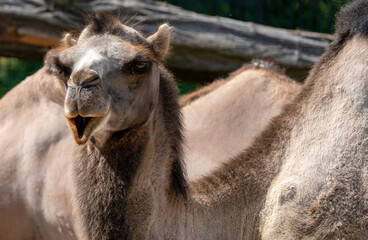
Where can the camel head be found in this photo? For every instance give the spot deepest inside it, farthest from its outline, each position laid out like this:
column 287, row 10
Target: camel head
column 111, row 77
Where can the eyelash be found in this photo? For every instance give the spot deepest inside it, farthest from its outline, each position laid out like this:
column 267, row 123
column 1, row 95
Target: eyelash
column 133, row 67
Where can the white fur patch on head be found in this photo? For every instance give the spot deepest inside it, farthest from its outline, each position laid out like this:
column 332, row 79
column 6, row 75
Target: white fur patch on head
column 160, row 41
column 90, row 57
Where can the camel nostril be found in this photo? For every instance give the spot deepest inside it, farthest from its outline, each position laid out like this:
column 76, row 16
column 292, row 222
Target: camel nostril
column 92, row 82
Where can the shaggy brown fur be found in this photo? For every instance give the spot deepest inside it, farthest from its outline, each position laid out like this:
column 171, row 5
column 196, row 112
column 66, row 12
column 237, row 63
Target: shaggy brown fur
column 103, row 177
column 105, row 23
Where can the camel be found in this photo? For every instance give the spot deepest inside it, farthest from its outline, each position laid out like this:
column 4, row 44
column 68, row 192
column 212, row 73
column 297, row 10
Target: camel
column 261, row 89
column 35, row 171
column 303, row 177
column 35, row 143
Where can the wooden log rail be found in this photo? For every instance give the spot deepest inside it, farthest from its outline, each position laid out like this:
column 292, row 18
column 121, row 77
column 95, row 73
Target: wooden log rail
column 203, row 46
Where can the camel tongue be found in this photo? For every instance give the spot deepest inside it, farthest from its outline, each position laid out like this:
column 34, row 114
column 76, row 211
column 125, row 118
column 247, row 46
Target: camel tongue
column 81, row 123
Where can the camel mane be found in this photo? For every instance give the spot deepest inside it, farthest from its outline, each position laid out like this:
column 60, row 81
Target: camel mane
column 173, row 120
column 101, row 23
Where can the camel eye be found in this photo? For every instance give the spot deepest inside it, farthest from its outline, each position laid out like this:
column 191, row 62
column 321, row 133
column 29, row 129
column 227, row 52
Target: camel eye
column 139, row 67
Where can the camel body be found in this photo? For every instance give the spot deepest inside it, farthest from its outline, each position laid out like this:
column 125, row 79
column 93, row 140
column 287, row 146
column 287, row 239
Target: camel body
column 35, row 172
column 36, row 148
column 319, row 192
column 305, row 175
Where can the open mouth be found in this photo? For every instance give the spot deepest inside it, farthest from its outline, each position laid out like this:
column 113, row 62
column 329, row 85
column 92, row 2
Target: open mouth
column 81, row 124
column 82, row 127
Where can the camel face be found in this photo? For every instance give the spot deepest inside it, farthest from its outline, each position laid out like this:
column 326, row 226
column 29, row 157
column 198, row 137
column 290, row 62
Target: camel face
column 111, row 87
column 111, row 79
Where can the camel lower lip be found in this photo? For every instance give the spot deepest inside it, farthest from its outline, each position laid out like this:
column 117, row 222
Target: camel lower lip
column 81, row 124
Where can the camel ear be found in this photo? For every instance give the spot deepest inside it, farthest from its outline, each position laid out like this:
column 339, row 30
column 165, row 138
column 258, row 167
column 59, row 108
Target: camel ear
column 160, row 41
column 54, row 65
column 52, row 61
column 49, row 60
column 68, row 40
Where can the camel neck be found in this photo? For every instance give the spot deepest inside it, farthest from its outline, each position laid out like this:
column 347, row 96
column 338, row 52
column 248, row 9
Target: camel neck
column 117, row 186
column 102, row 181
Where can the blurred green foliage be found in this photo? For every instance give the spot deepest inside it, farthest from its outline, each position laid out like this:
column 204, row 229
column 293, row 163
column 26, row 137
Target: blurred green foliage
column 312, row 15
column 13, row 70
column 187, row 87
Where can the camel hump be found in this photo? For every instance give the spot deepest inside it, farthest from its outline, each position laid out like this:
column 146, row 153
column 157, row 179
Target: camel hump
column 267, row 64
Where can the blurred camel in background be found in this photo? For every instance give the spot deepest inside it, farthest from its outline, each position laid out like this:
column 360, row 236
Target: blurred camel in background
column 222, row 119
